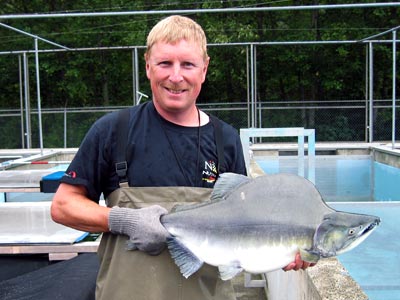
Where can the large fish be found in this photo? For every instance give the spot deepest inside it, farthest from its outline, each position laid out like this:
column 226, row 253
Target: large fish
column 258, row 225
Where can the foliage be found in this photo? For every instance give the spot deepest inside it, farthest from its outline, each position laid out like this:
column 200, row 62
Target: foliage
column 290, row 73
column 338, row 130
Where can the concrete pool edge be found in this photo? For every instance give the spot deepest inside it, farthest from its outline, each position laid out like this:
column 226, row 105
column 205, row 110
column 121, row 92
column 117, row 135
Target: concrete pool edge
column 386, row 156
column 328, row 280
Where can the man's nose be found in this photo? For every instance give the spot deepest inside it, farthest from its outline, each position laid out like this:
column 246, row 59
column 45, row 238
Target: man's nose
column 176, row 75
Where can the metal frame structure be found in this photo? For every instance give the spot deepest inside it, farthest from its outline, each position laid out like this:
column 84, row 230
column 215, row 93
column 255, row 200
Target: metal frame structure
column 299, row 132
column 371, row 82
column 254, row 108
column 197, row 11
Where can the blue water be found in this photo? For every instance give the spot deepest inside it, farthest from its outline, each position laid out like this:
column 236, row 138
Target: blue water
column 344, row 178
column 386, row 182
column 373, row 188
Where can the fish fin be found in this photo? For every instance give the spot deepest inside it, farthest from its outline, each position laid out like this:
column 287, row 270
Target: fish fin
column 180, row 207
column 309, row 256
column 183, row 207
column 226, row 183
column 187, row 262
column 228, row 272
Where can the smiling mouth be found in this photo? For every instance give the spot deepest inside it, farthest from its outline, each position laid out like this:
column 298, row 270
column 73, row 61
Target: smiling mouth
column 174, row 91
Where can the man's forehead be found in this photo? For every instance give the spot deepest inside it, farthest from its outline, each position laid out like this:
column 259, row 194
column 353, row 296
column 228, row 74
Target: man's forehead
column 181, row 47
column 178, row 42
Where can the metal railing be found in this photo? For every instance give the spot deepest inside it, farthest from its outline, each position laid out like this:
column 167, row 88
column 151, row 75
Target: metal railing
column 340, row 121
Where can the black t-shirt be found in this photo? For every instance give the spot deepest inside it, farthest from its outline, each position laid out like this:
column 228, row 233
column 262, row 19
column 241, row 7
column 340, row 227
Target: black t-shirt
column 160, row 153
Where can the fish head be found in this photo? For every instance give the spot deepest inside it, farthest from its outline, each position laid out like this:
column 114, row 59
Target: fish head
column 340, row 232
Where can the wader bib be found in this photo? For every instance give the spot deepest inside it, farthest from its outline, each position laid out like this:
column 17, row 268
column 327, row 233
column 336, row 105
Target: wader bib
column 125, row 274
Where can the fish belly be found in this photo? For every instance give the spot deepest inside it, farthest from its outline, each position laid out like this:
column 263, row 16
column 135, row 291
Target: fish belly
column 266, row 259
column 252, row 257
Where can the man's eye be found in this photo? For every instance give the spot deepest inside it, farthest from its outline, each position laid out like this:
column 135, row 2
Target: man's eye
column 187, row 64
column 164, row 63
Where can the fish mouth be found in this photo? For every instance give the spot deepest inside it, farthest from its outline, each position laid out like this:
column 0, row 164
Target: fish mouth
column 371, row 226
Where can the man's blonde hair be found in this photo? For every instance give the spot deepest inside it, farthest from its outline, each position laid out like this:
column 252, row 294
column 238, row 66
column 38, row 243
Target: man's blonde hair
column 175, row 28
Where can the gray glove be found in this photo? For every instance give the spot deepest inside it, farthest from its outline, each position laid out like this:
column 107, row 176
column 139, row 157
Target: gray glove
column 143, row 227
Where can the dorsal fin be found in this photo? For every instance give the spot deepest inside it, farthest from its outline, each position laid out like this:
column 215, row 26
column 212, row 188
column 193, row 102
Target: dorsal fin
column 226, row 183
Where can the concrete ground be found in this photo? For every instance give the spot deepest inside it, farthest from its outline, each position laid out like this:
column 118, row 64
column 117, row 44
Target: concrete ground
column 247, row 293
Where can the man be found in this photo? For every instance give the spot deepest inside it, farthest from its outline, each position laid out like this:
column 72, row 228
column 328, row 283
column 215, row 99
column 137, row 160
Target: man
column 172, row 157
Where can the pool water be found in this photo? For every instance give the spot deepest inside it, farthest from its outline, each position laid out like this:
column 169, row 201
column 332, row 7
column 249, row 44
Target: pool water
column 343, row 178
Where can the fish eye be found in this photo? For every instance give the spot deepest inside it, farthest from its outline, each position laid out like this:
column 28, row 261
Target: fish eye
column 351, row 231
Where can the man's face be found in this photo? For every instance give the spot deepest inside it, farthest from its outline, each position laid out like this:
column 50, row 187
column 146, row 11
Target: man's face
column 176, row 73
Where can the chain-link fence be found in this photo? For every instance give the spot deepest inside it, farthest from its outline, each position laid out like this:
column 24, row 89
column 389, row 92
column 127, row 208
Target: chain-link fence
column 66, row 128
column 264, row 85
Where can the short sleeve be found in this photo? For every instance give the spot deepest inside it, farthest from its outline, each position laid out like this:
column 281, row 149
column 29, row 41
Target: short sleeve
column 91, row 164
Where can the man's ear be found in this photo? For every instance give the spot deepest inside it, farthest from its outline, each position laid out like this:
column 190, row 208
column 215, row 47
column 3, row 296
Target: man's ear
column 147, row 64
column 205, row 68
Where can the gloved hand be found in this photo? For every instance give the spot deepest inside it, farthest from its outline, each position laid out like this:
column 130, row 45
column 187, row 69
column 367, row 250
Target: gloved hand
column 143, row 227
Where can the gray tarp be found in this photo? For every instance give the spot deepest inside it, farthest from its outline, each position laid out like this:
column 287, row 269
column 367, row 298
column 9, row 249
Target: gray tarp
column 30, row 223
column 73, row 279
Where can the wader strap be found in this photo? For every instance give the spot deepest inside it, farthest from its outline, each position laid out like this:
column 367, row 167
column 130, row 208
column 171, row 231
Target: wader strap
column 121, row 165
column 220, row 144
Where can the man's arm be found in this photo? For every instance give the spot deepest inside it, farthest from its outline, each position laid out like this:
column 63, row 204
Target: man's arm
column 71, row 207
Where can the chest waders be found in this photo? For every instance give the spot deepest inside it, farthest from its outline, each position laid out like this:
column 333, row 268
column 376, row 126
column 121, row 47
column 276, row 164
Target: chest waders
column 124, row 274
